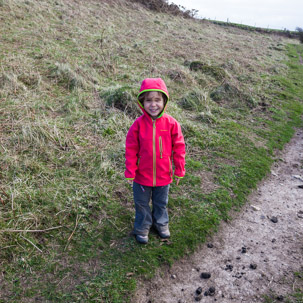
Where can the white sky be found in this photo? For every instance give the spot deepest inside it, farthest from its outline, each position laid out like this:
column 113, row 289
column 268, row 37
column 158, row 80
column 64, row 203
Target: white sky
column 275, row 14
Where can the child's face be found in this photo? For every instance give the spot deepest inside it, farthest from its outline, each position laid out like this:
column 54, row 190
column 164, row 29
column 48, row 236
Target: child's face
column 153, row 104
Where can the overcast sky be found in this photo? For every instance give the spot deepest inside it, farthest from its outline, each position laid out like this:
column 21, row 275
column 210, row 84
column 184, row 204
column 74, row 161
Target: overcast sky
column 276, row 14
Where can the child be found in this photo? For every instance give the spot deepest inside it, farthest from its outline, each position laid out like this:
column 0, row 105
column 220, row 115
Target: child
column 153, row 140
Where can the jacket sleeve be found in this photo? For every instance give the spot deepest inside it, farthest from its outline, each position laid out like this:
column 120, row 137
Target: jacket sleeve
column 178, row 145
column 131, row 151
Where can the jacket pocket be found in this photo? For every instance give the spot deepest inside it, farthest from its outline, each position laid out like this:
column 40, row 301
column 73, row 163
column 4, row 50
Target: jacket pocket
column 161, row 147
column 170, row 167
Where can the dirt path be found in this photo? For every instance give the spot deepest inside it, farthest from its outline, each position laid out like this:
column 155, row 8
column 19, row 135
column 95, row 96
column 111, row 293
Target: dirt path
column 254, row 254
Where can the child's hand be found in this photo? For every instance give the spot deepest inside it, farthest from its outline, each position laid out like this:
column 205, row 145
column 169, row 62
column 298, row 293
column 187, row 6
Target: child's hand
column 130, row 182
column 177, row 181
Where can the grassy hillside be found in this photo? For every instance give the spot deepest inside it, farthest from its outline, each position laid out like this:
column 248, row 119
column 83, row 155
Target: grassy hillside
column 69, row 74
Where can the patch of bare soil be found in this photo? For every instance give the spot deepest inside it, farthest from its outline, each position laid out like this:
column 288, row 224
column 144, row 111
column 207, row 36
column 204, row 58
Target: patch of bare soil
column 254, row 254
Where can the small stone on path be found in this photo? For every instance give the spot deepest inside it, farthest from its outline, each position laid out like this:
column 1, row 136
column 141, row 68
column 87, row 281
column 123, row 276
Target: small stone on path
column 255, row 208
column 210, row 292
column 229, row 267
column 298, row 177
column 274, row 219
column 205, row 275
column 300, row 214
column 199, row 290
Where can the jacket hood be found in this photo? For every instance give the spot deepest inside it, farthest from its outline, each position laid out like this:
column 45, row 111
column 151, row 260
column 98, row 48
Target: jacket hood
column 152, row 85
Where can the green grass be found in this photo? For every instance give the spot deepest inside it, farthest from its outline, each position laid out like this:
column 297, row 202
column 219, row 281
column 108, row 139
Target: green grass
column 295, row 297
column 68, row 81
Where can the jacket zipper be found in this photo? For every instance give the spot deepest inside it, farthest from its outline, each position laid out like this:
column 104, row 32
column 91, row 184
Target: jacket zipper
column 160, row 147
column 154, row 153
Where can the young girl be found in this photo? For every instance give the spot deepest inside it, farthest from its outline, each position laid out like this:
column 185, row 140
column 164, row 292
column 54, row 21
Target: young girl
column 152, row 142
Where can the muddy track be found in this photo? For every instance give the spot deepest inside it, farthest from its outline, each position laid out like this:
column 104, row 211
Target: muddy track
column 256, row 253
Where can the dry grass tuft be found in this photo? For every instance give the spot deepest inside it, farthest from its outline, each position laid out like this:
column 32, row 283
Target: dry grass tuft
column 122, row 98
column 64, row 75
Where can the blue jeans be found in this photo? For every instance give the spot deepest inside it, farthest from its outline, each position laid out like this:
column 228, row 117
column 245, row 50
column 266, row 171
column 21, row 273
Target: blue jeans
column 145, row 218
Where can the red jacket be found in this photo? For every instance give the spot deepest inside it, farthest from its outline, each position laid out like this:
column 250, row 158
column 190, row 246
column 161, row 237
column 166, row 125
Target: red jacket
column 152, row 144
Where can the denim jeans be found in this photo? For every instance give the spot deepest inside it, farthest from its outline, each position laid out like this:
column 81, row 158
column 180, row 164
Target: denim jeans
column 145, row 218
